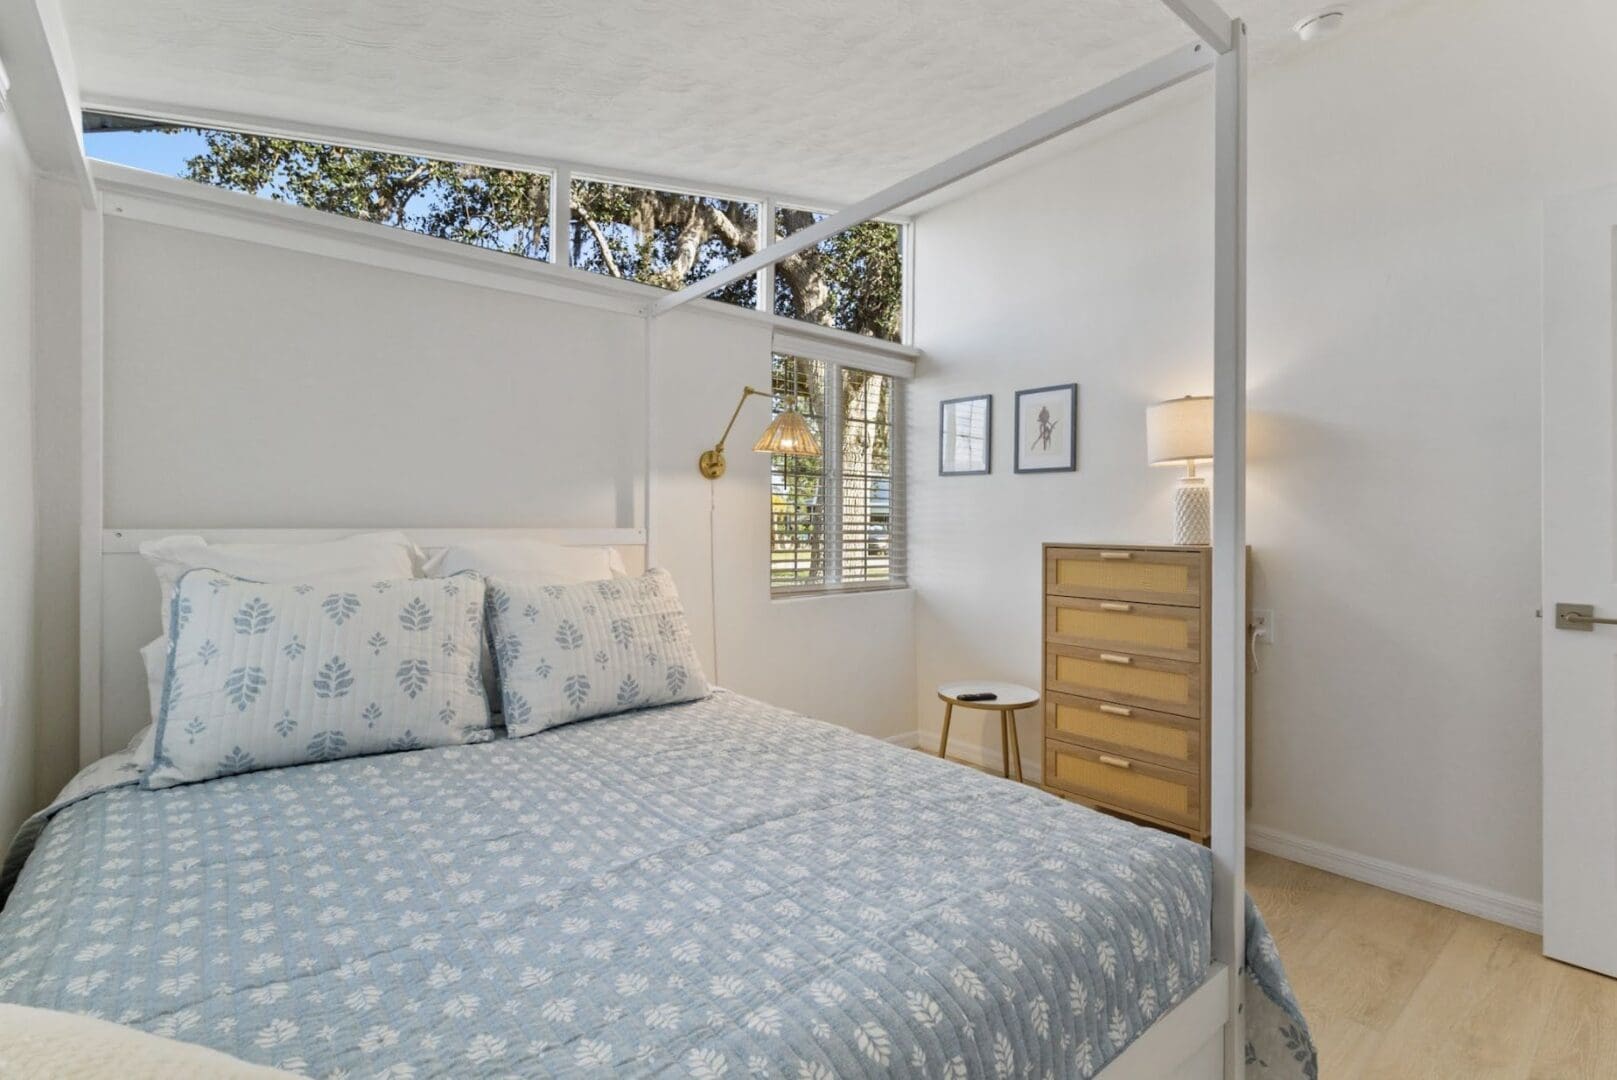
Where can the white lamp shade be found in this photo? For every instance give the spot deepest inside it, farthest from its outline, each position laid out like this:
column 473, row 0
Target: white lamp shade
column 1178, row 431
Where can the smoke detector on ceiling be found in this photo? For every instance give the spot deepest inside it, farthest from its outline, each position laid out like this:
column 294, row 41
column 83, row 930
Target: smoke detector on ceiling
column 1317, row 26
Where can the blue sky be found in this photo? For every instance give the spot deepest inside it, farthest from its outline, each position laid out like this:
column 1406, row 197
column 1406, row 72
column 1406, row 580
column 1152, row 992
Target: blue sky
column 155, row 151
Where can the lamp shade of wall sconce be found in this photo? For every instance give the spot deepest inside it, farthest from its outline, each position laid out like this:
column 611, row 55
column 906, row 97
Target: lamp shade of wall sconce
column 1180, row 432
column 788, row 433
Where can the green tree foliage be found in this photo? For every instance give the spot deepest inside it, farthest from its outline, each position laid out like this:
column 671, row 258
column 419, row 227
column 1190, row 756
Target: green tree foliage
column 853, row 281
column 802, row 552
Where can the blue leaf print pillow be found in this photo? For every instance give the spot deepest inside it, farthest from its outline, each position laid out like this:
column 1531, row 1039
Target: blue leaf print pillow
column 265, row 675
column 568, row 652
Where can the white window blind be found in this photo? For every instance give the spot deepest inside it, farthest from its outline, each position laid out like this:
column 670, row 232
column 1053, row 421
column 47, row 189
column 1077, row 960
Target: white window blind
column 837, row 520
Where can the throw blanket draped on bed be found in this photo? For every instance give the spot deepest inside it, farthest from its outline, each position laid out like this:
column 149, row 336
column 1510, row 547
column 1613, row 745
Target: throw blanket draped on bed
column 712, row 888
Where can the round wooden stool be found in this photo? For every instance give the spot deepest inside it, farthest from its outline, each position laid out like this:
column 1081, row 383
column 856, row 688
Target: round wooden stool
column 1008, row 697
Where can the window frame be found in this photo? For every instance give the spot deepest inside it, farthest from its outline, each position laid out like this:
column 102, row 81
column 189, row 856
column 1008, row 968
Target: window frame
column 832, row 423
column 560, row 172
column 906, row 260
column 562, row 213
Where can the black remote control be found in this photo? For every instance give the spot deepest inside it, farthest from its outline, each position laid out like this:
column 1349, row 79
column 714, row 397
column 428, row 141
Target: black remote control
column 977, row 696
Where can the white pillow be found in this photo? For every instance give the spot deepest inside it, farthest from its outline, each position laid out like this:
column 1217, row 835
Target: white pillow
column 528, row 562
column 154, row 657
column 362, row 559
column 385, row 556
column 261, row 676
column 570, row 652
column 523, row 562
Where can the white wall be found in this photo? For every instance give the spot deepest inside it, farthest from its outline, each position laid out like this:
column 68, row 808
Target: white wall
column 17, row 514
column 848, row 659
column 59, row 218
column 1398, row 177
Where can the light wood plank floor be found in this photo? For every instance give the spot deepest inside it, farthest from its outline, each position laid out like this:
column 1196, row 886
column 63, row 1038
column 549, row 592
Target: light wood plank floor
column 1395, row 987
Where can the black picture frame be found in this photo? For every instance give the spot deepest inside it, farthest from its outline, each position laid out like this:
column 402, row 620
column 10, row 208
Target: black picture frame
column 1023, row 446
column 988, row 435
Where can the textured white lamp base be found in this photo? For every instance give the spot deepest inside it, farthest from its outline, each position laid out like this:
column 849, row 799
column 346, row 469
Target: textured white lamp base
column 1192, row 511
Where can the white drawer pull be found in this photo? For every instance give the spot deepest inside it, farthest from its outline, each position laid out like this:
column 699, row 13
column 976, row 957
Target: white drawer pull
column 1113, row 605
column 1117, row 710
column 1114, row 658
column 1117, row 554
column 1115, row 762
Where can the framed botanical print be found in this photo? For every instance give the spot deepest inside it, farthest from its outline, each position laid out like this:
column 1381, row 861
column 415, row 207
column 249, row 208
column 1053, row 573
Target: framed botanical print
column 1047, row 429
column 966, row 436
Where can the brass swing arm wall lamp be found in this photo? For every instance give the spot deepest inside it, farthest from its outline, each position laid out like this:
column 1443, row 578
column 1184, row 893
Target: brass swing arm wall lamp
column 787, row 433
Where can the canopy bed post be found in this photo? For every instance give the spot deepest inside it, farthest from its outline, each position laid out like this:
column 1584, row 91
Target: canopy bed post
column 648, row 333
column 92, row 472
column 1229, row 536
column 1207, row 19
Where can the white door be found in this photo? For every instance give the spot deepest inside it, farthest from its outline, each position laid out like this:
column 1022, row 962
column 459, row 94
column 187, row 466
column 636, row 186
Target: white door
column 1580, row 567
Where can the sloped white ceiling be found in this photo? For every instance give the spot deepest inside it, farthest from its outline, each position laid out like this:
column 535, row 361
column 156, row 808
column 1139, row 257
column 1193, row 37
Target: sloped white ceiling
column 831, row 98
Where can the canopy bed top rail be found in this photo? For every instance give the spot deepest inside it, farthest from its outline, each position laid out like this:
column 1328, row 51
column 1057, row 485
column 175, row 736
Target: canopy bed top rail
column 1159, row 74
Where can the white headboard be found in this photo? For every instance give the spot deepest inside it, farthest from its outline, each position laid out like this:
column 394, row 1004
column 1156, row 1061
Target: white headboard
column 113, row 701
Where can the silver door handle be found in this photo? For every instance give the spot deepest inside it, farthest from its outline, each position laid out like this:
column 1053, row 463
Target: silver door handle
column 1579, row 617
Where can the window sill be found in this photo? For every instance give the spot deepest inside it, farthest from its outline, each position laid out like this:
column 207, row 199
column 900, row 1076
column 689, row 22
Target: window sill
column 826, row 594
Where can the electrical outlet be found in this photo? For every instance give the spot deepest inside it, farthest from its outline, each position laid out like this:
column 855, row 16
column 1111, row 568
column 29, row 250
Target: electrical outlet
column 1263, row 625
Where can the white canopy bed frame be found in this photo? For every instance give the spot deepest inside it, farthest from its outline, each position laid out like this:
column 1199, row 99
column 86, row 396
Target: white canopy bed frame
column 1187, row 1041
column 1203, row 1037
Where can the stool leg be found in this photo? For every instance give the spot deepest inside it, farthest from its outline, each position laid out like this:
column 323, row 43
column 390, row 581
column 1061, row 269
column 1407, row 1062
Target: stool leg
column 943, row 741
column 1016, row 744
column 1005, row 744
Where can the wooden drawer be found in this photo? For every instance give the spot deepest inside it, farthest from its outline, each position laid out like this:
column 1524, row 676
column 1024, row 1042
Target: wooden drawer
column 1150, row 790
column 1142, row 575
column 1124, row 626
column 1148, row 682
column 1160, row 738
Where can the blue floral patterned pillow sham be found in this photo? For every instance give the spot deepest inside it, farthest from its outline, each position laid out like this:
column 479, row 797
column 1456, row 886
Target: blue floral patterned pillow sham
column 569, row 652
column 265, row 675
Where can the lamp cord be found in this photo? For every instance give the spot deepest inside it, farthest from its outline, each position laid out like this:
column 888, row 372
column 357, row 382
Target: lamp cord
column 712, row 577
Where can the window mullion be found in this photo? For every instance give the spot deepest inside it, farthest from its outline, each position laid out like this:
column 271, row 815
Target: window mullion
column 831, row 456
column 561, row 213
column 766, row 236
column 898, row 516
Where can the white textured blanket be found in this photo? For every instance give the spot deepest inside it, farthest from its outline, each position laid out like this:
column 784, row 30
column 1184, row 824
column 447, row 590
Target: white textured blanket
column 42, row 1044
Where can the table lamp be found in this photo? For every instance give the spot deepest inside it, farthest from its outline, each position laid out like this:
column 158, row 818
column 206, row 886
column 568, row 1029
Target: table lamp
column 1181, row 432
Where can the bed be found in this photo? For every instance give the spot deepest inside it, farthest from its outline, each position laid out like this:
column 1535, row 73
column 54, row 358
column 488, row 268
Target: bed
column 714, row 888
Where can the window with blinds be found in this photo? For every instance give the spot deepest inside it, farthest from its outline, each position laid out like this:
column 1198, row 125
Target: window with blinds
column 836, row 520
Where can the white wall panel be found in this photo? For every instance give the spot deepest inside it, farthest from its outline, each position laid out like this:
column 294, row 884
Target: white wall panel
column 18, row 607
column 253, row 386
column 59, row 218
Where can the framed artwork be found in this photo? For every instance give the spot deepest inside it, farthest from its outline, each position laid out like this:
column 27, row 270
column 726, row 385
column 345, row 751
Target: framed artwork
column 966, row 436
column 1047, row 429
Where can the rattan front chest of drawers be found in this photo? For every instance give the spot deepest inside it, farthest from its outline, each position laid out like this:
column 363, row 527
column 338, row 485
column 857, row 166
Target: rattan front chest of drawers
column 1126, row 689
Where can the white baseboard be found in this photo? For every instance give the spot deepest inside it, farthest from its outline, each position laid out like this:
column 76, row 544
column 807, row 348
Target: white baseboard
column 1448, row 892
column 985, row 757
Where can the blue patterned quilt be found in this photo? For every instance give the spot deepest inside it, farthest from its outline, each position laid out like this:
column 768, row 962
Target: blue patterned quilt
column 716, row 888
